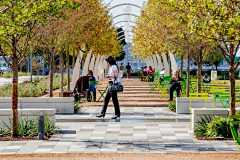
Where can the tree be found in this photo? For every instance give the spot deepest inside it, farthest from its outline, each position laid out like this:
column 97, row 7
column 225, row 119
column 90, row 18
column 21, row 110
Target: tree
column 217, row 22
column 159, row 30
column 19, row 25
column 215, row 59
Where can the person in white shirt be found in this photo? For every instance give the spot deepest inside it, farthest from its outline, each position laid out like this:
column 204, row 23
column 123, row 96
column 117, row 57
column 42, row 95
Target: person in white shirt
column 113, row 79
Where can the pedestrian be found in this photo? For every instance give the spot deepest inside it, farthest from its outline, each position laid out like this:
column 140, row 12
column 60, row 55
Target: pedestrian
column 206, row 78
column 113, row 79
column 175, row 84
column 151, row 73
column 129, row 69
column 121, row 70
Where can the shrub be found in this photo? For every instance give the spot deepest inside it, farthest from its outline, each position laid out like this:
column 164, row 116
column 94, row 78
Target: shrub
column 76, row 106
column 201, row 129
column 172, row 106
column 29, row 128
column 219, row 127
column 39, row 87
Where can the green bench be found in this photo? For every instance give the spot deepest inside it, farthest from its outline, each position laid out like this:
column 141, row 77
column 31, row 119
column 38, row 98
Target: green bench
column 102, row 92
column 233, row 131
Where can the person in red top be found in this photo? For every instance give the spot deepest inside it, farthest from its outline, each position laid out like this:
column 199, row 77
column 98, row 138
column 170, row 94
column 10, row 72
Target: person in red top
column 151, row 73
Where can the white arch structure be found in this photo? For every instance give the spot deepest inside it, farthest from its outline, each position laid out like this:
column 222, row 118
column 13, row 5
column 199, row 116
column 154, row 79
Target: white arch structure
column 124, row 21
column 124, row 4
column 125, row 14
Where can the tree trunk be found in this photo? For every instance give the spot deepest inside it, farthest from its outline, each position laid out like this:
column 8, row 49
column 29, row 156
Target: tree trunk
column 181, row 70
column 51, row 75
column 232, row 88
column 68, row 73
column 170, row 68
column 199, row 76
column 188, row 74
column 216, row 67
column 61, row 68
column 14, row 92
column 212, row 65
column 73, row 61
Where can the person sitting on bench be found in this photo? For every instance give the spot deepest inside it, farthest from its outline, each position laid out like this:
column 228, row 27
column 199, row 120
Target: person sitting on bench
column 175, row 85
column 206, row 79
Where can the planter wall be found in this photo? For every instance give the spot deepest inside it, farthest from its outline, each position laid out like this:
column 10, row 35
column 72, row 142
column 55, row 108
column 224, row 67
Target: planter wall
column 183, row 104
column 33, row 113
column 62, row 105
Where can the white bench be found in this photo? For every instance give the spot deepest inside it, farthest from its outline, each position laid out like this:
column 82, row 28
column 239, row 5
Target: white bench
column 31, row 113
column 183, row 104
column 62, row 105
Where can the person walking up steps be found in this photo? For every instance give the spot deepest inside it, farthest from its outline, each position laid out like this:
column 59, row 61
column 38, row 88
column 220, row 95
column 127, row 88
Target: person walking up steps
column 128, row 68
column 121, row 70
column 113, row 79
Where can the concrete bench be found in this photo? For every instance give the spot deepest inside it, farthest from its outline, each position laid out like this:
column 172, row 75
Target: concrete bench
column 62, row 105
column 31, row 113
column 197, row 113
column 183, row 104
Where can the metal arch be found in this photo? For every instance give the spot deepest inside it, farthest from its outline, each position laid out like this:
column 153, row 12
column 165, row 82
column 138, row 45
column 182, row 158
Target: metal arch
column 124, row 21
column 123, row 4
column 124, row 35
column 123, row 31
column 121, row 39
column 124, row 26
column 129, row 14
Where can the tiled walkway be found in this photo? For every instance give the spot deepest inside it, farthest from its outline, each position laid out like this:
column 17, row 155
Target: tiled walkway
column 115, row 137
column 140, row 130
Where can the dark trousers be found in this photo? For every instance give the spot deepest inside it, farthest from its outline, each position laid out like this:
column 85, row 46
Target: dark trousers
column 172, row 88
column 115, row 102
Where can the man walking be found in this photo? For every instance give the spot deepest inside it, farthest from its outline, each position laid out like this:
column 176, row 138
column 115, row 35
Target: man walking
column 121, row 70
column 128, row 68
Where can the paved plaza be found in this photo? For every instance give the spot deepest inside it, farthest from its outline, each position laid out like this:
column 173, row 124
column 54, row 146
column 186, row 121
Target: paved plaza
column 141, row 129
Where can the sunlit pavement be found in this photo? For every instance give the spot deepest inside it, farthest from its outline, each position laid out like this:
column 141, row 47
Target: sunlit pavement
column 141, row 129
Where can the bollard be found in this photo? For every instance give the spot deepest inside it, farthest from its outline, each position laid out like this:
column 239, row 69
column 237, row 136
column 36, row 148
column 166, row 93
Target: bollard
column 41, row 127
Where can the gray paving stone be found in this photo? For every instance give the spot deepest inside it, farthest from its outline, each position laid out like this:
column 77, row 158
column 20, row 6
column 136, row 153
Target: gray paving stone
column 29, row 147
column 10, row 150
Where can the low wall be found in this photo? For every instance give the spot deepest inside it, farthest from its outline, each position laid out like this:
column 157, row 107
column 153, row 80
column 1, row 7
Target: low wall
column 183, row 104
column 62, row 105
column 31, row 113
column 197, row 113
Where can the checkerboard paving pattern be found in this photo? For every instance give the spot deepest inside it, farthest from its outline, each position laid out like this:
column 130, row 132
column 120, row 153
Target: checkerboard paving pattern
column 115, row 137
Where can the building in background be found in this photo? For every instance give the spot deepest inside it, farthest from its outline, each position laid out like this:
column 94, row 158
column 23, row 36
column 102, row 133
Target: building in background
column 134, row 62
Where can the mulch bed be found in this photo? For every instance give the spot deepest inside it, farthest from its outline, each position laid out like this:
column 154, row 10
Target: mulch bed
column 9, row 138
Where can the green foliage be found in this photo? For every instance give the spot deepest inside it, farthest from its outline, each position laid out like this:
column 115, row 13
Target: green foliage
column 172, row 106
column 35, row 89
column 219, row 127
column 201, row 129
column 215, row 59
column 29, row 128
column 76, row 106
column 9, row 75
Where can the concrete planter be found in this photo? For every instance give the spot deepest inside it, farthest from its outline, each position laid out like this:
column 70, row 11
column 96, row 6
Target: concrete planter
column 33, row 113
column 183, row 104
column 62, row 105
column 197, row 113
